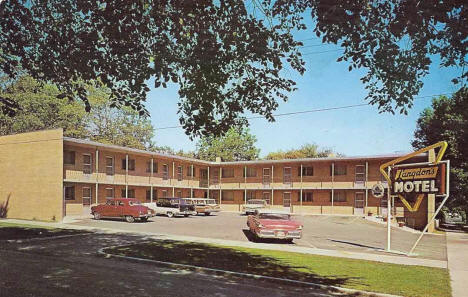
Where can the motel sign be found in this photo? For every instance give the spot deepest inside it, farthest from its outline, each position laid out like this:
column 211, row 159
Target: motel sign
column 422, row 179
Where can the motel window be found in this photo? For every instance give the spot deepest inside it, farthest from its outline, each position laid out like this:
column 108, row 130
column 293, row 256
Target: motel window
column 251, row 172
column 69, row 157
column 180, row 173
column 227, row 172
column 110, row 193
column 307, row 196
column 164, row 193
column 250, row 195
column 131, row 164
column 109, row 165
column 227, row 196
column 155, row 167
column 190, row 171
column 179, row 194
column 148, row 195
column 87, row 166
column 165, row 171
column 338, row 196
column 131, row 193
column 339, row 169
column 306, row 171
column 70, row 193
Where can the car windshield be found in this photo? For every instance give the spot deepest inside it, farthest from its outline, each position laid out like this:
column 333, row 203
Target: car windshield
column 256, row 202
column 131, row 203
column 210, row 201
column 273, row 216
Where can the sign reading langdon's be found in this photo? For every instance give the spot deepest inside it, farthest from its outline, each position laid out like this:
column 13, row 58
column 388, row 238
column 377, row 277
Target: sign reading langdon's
column 428, row 179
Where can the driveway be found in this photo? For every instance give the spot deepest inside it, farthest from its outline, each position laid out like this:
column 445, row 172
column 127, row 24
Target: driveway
column 324, row 232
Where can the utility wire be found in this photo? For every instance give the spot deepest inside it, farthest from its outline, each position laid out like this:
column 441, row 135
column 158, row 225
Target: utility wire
column 311, row 110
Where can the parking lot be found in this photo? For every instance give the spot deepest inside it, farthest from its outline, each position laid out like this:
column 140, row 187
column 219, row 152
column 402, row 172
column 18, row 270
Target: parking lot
column 324, row 232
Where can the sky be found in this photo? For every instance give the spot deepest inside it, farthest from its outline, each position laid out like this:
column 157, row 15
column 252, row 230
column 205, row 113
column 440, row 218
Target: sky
column 326, row 83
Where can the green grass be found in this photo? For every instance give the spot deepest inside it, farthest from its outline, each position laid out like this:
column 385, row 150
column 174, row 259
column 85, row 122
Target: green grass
column 413, row 281
column 15, row 231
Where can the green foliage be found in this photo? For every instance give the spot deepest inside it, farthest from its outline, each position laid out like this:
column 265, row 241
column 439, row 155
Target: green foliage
column 392, row 40
column 225, row 56
column 39, row 109
column 236, row 145
column 306, row 151
column 447, row 120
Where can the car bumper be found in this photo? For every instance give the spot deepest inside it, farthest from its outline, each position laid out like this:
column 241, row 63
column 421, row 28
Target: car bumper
column 280, row 234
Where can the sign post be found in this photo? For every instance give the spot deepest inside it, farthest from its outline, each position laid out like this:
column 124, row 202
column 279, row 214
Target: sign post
column 417, row 180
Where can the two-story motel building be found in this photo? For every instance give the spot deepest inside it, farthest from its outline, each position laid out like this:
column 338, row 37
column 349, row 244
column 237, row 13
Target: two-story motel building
column 46, row 176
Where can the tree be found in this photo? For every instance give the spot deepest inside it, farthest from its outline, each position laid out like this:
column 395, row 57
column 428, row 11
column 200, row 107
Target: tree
column 39, row 109
column 447, row 119
column 236, row 145
column 305, row 151
column 393, row 40
column 225, row 56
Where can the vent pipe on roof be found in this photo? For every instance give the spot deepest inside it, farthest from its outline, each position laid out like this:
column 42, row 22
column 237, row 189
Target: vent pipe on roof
column 218, row 159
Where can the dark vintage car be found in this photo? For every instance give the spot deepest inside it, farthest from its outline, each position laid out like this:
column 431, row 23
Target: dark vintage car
column 172, row 206
column 266, row 223
column 125, row 208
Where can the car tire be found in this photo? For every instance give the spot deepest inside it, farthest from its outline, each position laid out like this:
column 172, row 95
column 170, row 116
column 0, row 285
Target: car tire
column 186, row 215
column 207, row 213
column 169, row 214
column 144, row 219
column 196, row 213
column 129, row 219
column 289, row 240
column 97, row 216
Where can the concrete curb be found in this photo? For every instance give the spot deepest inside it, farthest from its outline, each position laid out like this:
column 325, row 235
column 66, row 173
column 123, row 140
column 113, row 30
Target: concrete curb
column 246, row 275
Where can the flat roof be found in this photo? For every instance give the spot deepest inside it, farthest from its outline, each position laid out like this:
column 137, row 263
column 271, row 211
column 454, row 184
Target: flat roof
column 70, row 140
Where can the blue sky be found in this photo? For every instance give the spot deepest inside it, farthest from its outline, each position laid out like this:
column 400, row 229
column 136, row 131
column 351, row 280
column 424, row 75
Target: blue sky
column 326, row 83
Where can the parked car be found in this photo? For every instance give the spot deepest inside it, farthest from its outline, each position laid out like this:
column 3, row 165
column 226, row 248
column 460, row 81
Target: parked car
column 252, row 205
column 203, row 205
column 266, row 223
column 171, row 207
column 452, row 220
column 126, row 208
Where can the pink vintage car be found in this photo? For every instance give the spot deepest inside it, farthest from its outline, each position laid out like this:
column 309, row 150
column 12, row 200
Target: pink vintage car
column 268, row 223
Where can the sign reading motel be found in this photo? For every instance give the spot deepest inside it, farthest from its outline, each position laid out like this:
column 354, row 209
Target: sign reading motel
column 421, row 179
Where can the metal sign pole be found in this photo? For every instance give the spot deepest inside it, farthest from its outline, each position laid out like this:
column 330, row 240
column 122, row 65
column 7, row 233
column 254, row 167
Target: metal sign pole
column 389, row 216
column 438, row 209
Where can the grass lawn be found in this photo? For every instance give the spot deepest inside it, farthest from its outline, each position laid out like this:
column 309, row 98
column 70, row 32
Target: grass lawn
column 24, row 231
column 347, row 273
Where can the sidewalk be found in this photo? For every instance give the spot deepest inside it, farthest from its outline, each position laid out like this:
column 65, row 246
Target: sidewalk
column 457, row 252
column 386, row 258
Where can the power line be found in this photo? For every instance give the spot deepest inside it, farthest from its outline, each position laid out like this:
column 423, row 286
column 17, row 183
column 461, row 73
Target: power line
column 312, row 110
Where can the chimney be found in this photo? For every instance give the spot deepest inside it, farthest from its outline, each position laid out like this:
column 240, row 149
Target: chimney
column 218, row 159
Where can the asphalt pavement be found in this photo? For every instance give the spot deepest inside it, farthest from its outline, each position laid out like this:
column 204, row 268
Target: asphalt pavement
column 342, row 233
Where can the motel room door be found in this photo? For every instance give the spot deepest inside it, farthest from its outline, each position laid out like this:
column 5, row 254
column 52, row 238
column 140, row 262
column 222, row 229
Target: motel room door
column 87, row 197
column 359, row 203
column 287, row 199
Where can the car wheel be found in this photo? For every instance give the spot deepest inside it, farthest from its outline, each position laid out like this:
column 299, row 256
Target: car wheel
column 169, row 214
column 207, row 213
column 130, row 219
column 196, row 213
column 97, row 216
column 186, row 215
column 289, row 240
column 144, row 219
